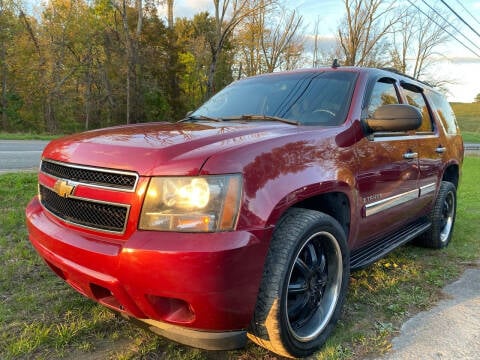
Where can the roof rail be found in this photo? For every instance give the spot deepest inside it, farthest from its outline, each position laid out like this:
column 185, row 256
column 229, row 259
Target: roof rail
column 395, row 71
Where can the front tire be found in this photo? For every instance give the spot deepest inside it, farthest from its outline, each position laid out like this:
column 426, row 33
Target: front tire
column 304, row 284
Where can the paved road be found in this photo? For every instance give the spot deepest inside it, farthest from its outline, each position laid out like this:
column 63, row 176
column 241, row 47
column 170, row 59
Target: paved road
column 20, row 155
column 472, row 149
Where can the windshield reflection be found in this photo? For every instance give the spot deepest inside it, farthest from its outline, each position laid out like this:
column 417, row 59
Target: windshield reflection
column 309, row 98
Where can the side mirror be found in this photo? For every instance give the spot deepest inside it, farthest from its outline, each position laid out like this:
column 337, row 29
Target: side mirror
column 395, row 117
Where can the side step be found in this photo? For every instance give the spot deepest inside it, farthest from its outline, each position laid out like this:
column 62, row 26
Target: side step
column 367, row 255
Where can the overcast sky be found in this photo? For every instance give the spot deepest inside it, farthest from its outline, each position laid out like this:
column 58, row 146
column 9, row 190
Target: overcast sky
column 454, row 62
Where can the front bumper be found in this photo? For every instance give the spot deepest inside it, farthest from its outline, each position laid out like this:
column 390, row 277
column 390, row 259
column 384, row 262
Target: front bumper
column 197, row 289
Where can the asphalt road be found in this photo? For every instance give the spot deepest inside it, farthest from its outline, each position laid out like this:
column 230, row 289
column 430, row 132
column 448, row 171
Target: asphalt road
column 20, row 155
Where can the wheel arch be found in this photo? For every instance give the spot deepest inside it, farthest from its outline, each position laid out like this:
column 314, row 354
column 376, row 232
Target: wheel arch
column 452, row 174
column 337, row 204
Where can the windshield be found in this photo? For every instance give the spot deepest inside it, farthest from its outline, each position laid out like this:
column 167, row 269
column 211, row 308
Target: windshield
column 312, row 98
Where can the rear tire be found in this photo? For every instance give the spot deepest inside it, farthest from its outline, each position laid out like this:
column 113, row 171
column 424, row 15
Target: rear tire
column 303, row 286
column 442, row 218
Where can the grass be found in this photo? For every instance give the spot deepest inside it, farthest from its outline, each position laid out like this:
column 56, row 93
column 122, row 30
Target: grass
column 26, row 136
column 43, row 318
column 468, row 116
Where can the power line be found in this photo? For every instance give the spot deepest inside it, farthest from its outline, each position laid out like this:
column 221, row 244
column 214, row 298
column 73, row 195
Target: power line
column 443, row 28
column 468, row 12
column 451, row 25
column 461, row 18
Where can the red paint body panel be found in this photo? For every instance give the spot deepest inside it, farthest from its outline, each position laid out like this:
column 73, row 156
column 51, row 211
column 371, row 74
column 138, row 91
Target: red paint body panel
column 208, row 271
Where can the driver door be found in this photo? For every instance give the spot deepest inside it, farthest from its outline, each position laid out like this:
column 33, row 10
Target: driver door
column 388, row 173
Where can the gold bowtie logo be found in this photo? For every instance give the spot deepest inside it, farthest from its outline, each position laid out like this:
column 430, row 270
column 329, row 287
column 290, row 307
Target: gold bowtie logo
column 63, row 188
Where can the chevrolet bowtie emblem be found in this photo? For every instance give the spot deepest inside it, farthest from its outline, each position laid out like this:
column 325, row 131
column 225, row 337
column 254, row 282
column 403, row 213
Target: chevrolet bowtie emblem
column 63, row 188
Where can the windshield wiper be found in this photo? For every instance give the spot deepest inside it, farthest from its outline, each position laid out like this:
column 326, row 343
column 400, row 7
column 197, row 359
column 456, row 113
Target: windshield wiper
column 262, row 117
column 201, row 118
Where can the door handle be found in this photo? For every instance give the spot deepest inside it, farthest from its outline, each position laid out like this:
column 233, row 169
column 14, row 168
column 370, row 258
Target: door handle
column 410, row 155
column 440, row 149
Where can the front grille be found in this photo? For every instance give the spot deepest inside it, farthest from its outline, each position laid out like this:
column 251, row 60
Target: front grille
column 98, row 177
column 103, row 216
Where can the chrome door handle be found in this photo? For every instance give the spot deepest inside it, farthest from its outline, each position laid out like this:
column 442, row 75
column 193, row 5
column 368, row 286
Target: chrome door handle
column 440, row 150
column 410, row 155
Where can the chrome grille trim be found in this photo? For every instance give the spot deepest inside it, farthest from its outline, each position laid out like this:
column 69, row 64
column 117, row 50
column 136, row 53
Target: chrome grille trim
column 64, row 208
column 91, row 176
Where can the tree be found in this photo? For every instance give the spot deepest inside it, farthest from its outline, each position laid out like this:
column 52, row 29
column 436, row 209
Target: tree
column 196, row 37
column 416, row 36
column 248, row 44
column 10, row 30
column 362, row 31
column 239, row 10
column 477, row 98
column 269, row 40
column 3, row 62
column 279, row 43
column 131, row 46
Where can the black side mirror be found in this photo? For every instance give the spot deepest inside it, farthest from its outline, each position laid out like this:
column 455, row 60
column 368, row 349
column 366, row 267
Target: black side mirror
column 395, row 117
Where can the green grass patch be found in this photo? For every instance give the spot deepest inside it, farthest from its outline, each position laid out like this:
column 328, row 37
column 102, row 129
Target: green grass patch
column 27, row 136
column 43, row 318
column 468, row 116
column 471, row 137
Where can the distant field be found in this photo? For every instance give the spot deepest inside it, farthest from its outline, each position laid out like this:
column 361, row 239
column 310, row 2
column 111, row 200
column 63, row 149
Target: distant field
column 468, row 116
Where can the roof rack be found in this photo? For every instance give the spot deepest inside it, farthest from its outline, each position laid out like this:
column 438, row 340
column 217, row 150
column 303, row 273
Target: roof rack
column 395, row 71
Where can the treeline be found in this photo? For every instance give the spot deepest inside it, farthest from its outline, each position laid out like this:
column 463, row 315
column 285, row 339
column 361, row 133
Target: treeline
column 72, row 65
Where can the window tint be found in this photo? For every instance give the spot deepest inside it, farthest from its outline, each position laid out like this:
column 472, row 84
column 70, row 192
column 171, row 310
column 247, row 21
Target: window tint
column 312, row 98
column 444, row 112
column 383, row 93
column 324, row 100
column 416, row 99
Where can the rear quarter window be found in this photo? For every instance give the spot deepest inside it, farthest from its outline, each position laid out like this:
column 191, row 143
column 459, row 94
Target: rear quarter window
column 444, row 112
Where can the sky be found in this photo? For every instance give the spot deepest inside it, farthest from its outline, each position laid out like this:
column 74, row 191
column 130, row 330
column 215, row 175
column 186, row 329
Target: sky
column 452, row 62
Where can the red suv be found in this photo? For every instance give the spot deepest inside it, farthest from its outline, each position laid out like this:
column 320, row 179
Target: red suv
column 246, row 218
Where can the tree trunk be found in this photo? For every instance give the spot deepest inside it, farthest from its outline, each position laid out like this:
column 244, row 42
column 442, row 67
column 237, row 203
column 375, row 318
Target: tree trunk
column 88, row 94
column 3, row 60
column 170, row 13
column 211, row 74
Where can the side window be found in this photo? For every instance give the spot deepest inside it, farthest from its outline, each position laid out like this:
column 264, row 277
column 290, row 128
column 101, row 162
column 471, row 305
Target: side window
column 444, row 112
column 383, row 93
column 416, row 99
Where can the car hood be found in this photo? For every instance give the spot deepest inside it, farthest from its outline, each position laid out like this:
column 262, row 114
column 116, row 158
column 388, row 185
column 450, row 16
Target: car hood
column 160, row 148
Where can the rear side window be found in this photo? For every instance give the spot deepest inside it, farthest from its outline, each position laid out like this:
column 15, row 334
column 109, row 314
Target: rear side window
column 416, row 99
column 444, row 112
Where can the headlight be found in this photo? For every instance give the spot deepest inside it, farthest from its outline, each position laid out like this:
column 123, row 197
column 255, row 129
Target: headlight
column 192, row 204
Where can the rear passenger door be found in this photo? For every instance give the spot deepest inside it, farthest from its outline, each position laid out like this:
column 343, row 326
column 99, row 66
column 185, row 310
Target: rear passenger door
column 388, row 172
column 430, row 147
